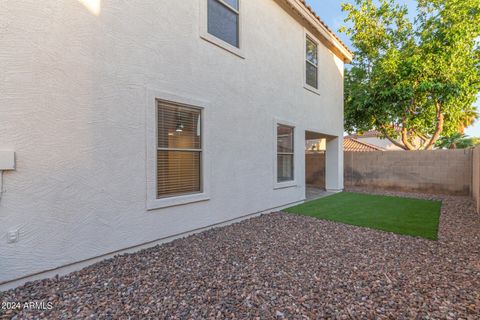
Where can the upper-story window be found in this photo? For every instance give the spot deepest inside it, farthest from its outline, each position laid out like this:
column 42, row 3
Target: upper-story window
column 311, row 63
column 224, row 20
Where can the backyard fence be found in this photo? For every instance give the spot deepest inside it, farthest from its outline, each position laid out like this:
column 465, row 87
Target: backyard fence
column 476, row 177
column 435, row 171
column 455, row 172
column 315, row 169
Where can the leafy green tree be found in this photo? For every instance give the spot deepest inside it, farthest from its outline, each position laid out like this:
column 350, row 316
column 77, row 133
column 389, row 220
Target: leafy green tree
column 412, row 81
column 456, row 141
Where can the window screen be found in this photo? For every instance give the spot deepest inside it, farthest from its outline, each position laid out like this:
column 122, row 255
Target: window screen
column 311, row 71
column 285, row 153
column 223, row 20
column 179, row 150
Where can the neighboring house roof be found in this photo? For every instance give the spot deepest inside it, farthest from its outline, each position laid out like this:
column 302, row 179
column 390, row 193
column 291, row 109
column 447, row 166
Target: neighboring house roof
column 371, row 134
column 353, row 145
column 367, row 134
column 337, row 46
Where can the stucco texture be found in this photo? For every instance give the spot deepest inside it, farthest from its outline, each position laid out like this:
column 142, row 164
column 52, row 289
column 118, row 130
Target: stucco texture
column 74, row 107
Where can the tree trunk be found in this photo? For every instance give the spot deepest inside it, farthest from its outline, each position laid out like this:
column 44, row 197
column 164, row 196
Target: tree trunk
column 405, row 141
column 438, row 128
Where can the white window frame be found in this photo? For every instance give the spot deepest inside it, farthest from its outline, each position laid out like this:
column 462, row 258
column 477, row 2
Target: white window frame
column 291, row 183
column 217, row 41
column 304, row 68
column 152, row 202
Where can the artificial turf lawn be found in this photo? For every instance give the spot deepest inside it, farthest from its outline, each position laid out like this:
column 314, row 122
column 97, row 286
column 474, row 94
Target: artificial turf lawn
column 413, row 217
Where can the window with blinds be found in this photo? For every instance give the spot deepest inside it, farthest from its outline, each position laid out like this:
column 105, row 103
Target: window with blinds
column 285, row 153
column 179, row 150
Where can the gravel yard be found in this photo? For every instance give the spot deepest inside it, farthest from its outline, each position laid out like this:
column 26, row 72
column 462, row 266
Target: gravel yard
column 281, row 266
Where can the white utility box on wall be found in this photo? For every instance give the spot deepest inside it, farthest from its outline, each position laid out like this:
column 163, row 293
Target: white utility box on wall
column 7, row 160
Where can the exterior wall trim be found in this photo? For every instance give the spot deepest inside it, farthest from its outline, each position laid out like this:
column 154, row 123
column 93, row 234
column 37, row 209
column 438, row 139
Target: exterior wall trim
column 216, row 41
column 286, row 184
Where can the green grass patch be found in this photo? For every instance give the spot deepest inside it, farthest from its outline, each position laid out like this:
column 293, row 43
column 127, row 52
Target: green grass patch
column 413, row 217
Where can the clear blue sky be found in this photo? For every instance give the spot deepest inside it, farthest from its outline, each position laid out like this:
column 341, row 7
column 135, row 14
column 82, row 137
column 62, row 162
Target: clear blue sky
column 330, row 12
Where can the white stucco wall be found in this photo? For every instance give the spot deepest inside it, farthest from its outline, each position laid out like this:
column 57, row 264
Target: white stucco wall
column 73, row 106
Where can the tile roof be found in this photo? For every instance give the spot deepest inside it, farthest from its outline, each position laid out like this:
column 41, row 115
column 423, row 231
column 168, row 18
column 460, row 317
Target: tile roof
column 366, row 134
column 325, row 25
column 370, row 134
column 351, row 144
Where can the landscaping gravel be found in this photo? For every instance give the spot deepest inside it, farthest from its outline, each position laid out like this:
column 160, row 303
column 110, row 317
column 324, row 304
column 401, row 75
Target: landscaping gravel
column 280, row 266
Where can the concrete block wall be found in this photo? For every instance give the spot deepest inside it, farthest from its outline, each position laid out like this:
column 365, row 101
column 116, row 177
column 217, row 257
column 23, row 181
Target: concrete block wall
column 476, row 177
column 436, row 171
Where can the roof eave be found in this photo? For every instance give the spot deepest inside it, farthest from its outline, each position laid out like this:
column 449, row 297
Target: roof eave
column 337, row 47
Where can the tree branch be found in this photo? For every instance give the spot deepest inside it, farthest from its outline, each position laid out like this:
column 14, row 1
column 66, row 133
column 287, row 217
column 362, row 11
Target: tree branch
column 424, row 139
column 395, row 142
column 405, row 141
column 421, row 135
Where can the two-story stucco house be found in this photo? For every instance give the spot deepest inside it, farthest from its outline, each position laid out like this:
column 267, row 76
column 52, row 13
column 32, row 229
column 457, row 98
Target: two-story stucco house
column 127, row 123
